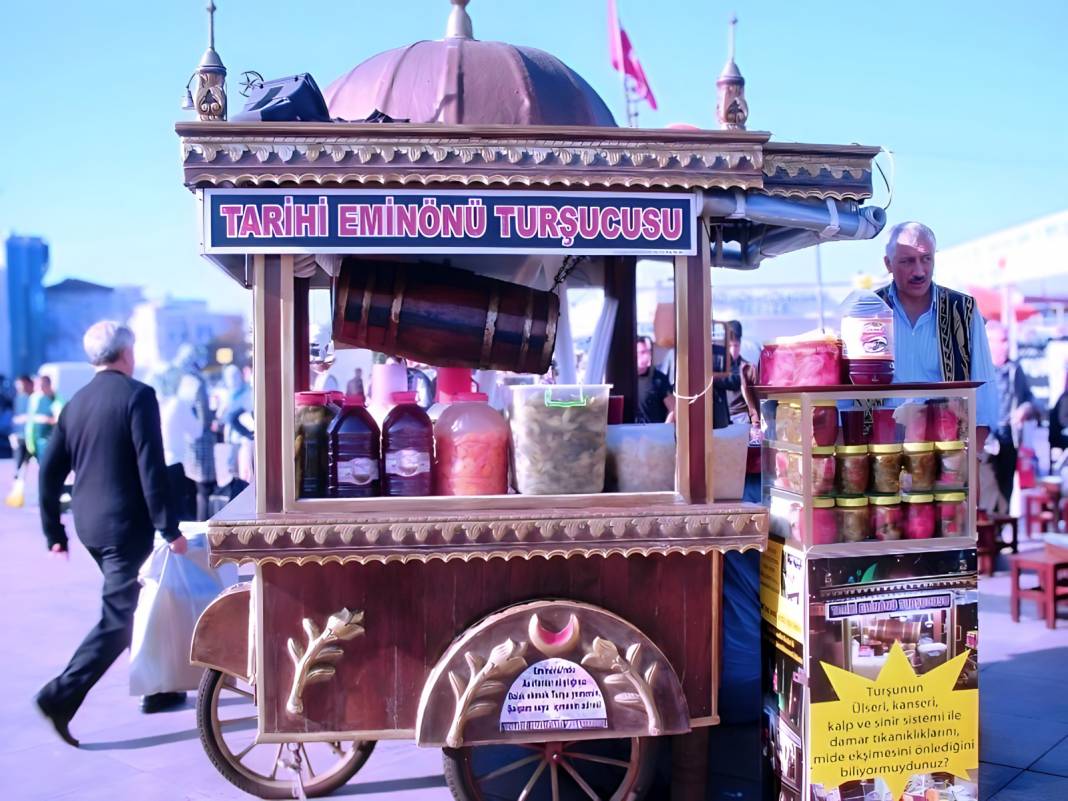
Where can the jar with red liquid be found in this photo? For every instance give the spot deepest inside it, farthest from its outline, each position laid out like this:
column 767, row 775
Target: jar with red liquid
column 952, row 513
column 789, row 428
column 868, row 338
column 886, row 517
column 407, row 448
column 471, row 448
column 915, row 416
column 919, row 516
column 883, row 427
column 921, row 467
column 854, row 519
column 886, row 469
column 354, row 452
column 943, row 421
column 853, row 427
column 952, row 467
column 824, row 521
column 853, row 470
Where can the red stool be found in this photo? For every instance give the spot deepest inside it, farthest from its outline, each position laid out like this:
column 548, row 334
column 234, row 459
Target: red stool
column 1047, row 592
column 1038, row 510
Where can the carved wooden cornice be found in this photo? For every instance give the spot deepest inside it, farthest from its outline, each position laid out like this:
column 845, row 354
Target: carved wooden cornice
column 224, row 154
column 545, row 534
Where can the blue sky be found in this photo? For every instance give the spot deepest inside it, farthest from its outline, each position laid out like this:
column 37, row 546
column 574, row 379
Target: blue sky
column 971, row 97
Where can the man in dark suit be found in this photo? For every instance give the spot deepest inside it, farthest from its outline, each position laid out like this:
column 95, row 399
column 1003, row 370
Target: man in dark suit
column 109, row 435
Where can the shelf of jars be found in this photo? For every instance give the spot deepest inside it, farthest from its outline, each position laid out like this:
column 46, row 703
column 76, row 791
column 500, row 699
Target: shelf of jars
column 857, row 469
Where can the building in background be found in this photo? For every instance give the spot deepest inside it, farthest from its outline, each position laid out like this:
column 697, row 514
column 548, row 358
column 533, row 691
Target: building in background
column 161, row 327
column 71, row 306
column 26, row 264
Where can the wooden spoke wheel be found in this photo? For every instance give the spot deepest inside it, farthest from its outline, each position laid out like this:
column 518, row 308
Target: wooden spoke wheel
column 226, row 717
column 580, row 770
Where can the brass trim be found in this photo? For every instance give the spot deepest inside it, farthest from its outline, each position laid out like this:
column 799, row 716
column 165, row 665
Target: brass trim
column 486, row 681
column 259, row 364
column 400, row 285
column 316, row 663
column 365, row 311
column 491, row 328
column 528, row 325
column 622, row 669
column 550, row 331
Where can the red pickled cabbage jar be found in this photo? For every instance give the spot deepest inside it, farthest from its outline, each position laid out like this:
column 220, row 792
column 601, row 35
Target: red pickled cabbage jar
column 824, row 521
column 823, row 471
column 824, row 423
column 943, row 422
column 883, row 427
column 952, row 513
column 886, row 517
column 919, row 517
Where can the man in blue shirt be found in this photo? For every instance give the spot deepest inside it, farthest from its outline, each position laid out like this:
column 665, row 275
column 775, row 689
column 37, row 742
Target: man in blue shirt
column 939, row 334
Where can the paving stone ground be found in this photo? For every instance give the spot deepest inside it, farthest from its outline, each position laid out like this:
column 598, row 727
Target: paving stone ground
column 50, row 604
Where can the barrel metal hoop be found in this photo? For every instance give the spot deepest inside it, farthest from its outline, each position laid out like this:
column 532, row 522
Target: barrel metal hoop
column 491, row 329
column 550, row 330
column 399, row 287
column 365, row 310
column 528, row 324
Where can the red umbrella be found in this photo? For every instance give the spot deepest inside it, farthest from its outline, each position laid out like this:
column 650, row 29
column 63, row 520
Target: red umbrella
column 989, row 302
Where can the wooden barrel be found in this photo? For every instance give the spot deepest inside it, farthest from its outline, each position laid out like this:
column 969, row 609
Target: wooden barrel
column 444, row 316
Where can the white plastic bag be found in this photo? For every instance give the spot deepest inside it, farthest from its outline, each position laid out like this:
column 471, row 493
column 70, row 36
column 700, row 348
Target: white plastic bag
column 176, row 589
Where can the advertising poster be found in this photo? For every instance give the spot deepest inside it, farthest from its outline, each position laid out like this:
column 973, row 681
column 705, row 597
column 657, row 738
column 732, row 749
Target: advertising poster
column 893, row 678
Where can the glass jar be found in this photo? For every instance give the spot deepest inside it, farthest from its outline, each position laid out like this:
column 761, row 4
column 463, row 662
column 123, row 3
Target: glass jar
column 853, row 427
column 854, row 519
column 886, row 517
column 471, row 448
column 952, row 513
column 921, row 466
column 943, row 420
column 824, row 521
column 823, row 471
column 886, row 469
column 919, row 516
column 311, row 444
column 852, row 469
column 914, row 415
column 951, row 464
column 789, row 428
column 883, row 427
column 788, row 422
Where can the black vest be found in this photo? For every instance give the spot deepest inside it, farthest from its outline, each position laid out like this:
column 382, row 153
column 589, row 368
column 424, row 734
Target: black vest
column 954, row 311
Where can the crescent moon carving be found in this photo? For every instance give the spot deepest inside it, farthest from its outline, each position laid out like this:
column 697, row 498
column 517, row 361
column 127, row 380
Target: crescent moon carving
column 554, row 643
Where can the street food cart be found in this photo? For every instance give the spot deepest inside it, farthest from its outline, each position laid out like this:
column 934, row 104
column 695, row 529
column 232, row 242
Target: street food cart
column 543, row 641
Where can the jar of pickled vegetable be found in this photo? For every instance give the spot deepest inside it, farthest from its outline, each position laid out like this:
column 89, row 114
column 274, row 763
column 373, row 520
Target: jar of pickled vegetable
column 311, row 444
column 943, row 420
column 471, row 448
column 854, row 519
column 789, row 423
column 921, row 466
column 852, row 469
column 886, row 517
column 886, row 468
column 952, row 512
column 823, row 471
column 824, row 521
column 951, row 464
column 919, row 516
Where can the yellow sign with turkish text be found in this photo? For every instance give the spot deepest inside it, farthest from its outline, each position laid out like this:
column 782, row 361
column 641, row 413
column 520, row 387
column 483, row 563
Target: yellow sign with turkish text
column 899, row 725
column 782, row 586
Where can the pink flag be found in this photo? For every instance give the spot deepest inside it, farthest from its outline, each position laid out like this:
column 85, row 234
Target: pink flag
column 624, row 59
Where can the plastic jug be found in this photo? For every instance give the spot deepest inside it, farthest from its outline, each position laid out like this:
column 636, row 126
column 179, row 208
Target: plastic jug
column 386, row 379
column 471, row 446
column 407, row 448
column 451, row 382
column 868, row 338
column 354, row 453
column 313, row 418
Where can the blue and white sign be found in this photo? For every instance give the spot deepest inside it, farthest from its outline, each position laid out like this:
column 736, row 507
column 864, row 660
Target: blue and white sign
column 413, row 221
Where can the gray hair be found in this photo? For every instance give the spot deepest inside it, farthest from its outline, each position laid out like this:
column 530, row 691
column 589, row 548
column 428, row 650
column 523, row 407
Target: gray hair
column 105, row 341
column 915, row 229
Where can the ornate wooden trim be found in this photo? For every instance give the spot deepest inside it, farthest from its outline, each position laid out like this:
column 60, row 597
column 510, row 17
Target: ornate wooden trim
column 494, row 535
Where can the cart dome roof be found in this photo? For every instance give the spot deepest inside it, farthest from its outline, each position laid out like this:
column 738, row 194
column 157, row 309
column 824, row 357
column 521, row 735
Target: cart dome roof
column 460, row 80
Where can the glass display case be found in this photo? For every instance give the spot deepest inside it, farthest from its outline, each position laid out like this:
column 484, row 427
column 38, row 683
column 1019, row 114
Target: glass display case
column 848, row 468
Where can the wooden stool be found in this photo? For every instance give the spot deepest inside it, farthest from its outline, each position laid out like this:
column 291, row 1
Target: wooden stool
column 1046, row 593
column 989, row 542
column 1037, row 511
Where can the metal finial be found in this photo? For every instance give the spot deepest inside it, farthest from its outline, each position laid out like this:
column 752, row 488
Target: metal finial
column 459, row 25
column 732, row 110
column 211, row 24
column 730, row 37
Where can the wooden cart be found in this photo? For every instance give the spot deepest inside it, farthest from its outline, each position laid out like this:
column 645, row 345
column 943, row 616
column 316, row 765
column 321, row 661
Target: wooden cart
column 543, row 642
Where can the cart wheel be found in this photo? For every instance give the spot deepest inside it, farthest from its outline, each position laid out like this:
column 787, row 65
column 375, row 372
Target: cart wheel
column 609, row 770
column 226, row 717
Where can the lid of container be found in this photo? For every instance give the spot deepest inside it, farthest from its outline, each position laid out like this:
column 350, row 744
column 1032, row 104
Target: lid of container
column 813, row 402
column 451, row 381
column 851, row 450
column 919, row 447
column 404, row 397
column 852, row 503
column 355, row 400
column 885, row 500
column 950, row 497
column 823, row 450
column 822, row 503
column 950, row 445
column 311, row 398
column 890, row 448
column 921, row 497
column 336, row 395
column 470, row 397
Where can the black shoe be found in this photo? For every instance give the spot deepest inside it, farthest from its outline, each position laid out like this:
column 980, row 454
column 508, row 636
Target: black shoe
column 160, row 702
column 59, row 723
